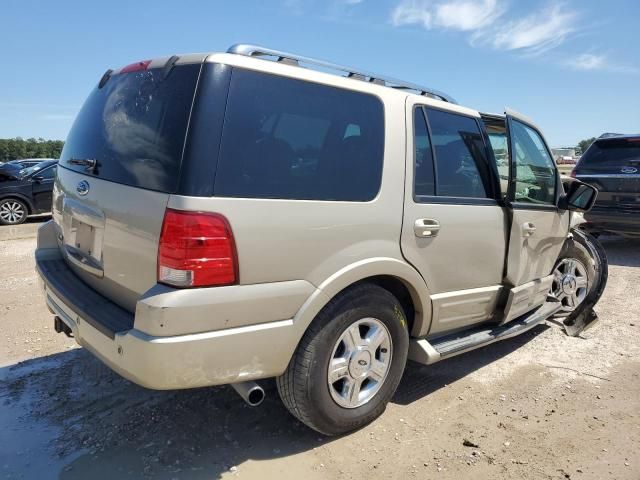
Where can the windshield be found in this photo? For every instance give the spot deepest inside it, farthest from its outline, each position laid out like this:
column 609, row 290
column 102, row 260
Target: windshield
column 134, row 127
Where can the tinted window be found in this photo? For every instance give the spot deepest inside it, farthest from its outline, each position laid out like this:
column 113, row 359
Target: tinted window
column 460, row 161
column 423, row 181
column 535, row 169
column 612, row 153
column 48, row 173
column 285, row 138
column 135, row 128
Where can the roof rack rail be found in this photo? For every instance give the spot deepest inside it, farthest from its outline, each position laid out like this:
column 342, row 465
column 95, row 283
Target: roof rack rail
column 296, row 60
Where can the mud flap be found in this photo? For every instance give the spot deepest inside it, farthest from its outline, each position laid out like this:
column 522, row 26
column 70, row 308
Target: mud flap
column 583, row 321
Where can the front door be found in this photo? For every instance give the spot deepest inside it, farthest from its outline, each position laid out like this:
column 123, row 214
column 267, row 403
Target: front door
column 453, row 230
column 538, row 227
column 42, row 188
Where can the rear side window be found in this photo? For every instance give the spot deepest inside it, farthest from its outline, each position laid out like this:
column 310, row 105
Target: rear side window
column 135, row 127
column 289, row 139
column 616, row 153
column 461, row 165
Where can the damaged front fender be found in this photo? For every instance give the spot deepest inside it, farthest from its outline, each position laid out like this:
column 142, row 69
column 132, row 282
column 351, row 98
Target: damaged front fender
column 585, row 316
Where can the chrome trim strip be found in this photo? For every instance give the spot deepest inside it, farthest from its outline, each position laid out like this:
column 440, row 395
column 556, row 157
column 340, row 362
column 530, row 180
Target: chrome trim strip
column 211, row 334
column 293, row 59
column 608, row 175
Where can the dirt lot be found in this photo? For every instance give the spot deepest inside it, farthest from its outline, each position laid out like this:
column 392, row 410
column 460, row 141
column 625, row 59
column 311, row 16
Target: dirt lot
column 541, row 405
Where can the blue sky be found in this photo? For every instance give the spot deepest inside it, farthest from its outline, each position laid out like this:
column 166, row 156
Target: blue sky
column 573, row 66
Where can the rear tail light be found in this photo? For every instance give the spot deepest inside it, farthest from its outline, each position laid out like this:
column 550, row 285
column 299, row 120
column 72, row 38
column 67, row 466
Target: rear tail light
column 196, row 250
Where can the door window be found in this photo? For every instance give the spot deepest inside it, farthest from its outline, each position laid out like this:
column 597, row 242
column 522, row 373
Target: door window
column 423, row 177
column 48, row 173
column 535, row 176
column 461, row 165
column 499, row 144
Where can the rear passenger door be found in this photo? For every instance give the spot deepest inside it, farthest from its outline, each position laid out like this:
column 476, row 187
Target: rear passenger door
column 453, row 231
column 538, row 228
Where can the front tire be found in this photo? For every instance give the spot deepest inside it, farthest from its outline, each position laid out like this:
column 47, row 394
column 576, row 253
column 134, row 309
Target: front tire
column 349, row 362
column 573, row 277
column 13, row 211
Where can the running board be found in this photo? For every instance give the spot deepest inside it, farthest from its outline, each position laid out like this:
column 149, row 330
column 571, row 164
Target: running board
column 428, row 352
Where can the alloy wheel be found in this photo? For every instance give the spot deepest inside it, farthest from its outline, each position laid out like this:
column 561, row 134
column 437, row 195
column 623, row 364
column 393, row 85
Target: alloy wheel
column 360, row 363
column 570, row 284
column 12, row 211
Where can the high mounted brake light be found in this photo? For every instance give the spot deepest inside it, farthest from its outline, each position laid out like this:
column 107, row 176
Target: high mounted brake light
column 196, row 249
column 136, row 67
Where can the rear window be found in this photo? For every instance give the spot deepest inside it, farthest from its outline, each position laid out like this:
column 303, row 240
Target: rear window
column 290, row 139
column 612, row 152
column 135, row 127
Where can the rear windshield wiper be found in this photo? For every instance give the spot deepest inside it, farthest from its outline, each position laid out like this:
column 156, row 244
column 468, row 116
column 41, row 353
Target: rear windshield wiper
column 89, row 163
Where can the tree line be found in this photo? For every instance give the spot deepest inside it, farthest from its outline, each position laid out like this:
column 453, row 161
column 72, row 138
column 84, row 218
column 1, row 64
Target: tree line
column 17, row 148
column 586, row 143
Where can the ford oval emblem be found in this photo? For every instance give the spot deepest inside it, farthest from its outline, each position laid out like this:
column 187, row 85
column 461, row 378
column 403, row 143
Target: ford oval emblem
column 628, row 169
column 82, row 188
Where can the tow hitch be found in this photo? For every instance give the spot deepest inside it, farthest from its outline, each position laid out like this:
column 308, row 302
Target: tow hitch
column 61, row 327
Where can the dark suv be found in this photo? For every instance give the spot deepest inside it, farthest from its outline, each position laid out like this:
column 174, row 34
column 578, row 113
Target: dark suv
column 612, row 165
column 26, row 191
column 27, row 162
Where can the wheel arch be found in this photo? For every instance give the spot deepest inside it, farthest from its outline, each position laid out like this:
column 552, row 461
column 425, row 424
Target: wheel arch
column 22, row 198
column 396, row 276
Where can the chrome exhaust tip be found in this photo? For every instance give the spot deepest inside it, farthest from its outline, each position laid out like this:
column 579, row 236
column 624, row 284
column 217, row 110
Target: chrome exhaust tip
column 251, row 392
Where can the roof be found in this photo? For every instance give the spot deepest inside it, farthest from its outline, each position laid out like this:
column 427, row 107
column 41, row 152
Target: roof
column 256, row 51
column 616, row 136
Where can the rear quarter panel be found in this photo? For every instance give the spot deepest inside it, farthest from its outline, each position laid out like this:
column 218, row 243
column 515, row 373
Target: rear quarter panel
column 329, row 244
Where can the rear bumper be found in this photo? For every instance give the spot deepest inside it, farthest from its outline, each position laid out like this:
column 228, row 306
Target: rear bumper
column 215, row 357
column 611, row 220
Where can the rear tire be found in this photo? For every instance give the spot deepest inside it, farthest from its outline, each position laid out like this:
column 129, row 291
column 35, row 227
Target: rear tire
column 13, row 211
column 319, row 385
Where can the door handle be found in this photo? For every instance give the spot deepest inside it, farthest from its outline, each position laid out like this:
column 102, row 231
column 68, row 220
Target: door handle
column 426, row 227
column 528, row 229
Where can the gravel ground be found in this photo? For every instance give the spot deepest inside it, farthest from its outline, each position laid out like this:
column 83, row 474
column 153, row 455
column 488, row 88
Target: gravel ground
column 541, row 405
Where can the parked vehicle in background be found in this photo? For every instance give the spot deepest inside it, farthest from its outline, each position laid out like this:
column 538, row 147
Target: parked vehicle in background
column 27, row 162
column 255, row 218
column 9, row 171
column 26, row 191
column 564, row 156
column 612, row 165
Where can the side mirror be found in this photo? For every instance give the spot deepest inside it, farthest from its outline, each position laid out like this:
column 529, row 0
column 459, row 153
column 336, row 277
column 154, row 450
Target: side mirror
column 579, row 196
column 38, row 178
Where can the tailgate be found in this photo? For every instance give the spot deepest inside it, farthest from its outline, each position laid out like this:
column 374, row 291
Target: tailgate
column 613, row 166
column 109, row 237
column 121, row 161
